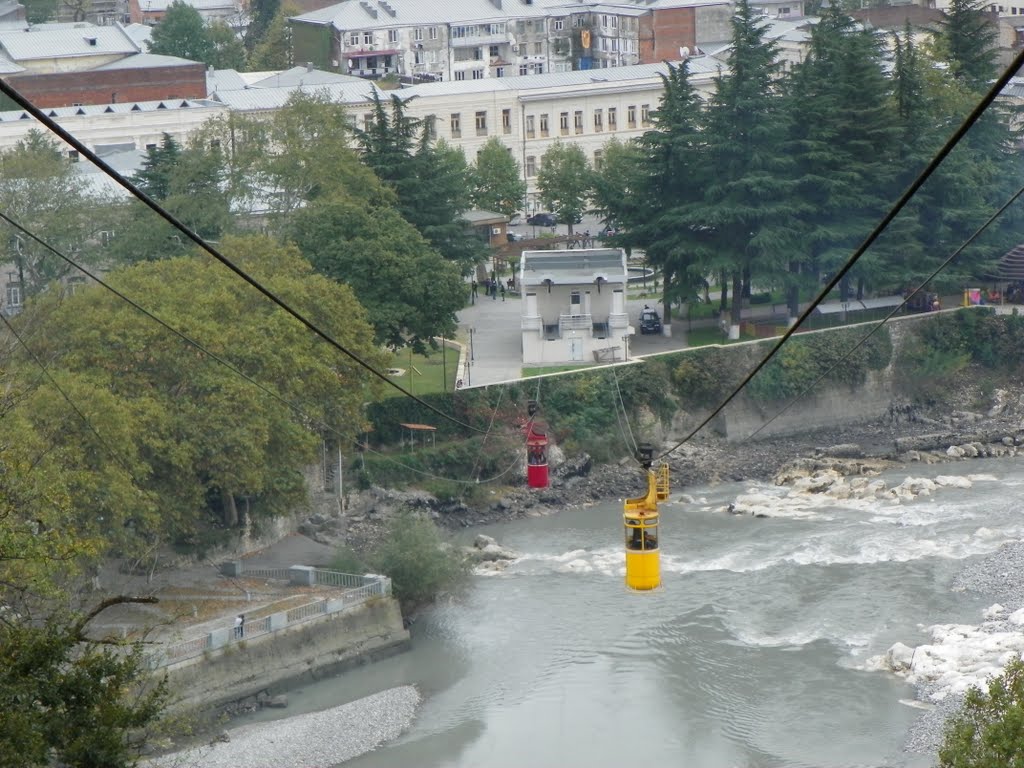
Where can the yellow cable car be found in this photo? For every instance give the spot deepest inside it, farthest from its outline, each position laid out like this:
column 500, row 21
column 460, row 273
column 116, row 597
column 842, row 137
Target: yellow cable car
column 643, row 561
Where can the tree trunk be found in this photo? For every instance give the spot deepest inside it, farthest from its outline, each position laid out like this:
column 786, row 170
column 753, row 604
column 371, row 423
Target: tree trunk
column 666, row 302
column 793, row 292
column 860, row 289
column 844, row 289
column 723, row 282
column 746, row 285
column 230, row 510
column 736, row 315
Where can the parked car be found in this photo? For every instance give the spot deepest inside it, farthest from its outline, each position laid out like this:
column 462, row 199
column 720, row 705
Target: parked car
column 542, row 220
column 514, row 236
column 650, row 321
column 609, row 231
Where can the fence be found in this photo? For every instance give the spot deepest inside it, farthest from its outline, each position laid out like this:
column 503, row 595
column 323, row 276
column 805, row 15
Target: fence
column 358, row 589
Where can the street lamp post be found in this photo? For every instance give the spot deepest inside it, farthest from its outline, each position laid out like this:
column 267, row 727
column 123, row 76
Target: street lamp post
column 471, row 357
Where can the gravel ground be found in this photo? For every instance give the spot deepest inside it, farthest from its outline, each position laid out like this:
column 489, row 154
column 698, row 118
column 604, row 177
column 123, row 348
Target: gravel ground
column 315, row 740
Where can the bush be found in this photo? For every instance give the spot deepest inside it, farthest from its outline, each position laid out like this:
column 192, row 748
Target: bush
column 988, row 731
column 413, row 554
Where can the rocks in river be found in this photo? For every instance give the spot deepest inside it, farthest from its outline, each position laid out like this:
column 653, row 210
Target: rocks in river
column 900, row 657
column 486, row 549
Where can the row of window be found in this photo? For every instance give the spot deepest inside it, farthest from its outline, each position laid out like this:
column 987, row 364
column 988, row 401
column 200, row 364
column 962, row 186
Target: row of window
column 543, row 121
column 541, row 124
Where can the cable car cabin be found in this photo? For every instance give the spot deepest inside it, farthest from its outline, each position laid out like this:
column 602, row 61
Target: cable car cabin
column 643, row 560
column 536, row 457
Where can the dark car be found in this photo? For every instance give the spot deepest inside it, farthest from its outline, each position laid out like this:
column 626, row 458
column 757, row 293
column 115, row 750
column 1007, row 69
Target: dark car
column 650, row 321
column 542, row 220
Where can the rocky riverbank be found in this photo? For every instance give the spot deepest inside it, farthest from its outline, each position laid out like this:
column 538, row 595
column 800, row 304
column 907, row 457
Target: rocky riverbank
column 980, row 426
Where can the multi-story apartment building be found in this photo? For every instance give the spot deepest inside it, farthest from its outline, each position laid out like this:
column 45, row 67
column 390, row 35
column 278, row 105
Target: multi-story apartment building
column 483, row 39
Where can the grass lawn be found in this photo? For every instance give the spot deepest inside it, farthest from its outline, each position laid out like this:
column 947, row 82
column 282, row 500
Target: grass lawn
column 424, row 374
column 700, row 337
column 541, row 370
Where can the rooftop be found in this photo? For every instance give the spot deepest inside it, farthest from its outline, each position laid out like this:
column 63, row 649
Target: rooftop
column 300, row 76
column 124, row 108
column 145, row 60
column 47, row 41
column 380, row 14
column 573, row 266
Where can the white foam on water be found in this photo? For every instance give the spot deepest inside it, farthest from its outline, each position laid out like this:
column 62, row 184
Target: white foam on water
column 797, row 638
column 962, row 656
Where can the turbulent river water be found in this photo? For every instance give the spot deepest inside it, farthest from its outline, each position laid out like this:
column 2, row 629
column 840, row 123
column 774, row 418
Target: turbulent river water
column 758, row 652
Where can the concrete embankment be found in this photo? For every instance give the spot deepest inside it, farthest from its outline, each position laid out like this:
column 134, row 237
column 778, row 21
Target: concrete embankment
column 277, row 661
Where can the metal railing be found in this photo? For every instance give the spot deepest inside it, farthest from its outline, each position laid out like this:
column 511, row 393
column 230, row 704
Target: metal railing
column 278, row 574
column 358, row 589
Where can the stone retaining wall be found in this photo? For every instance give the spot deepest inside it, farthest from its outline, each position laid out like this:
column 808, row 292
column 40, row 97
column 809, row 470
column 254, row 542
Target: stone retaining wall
column 280, row 660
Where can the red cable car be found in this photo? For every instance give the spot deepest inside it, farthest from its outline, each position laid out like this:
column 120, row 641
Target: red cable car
column 536, row 451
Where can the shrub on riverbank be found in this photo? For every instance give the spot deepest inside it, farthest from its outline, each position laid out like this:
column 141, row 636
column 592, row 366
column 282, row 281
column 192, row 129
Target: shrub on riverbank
column 415, row 556
column 988, row 731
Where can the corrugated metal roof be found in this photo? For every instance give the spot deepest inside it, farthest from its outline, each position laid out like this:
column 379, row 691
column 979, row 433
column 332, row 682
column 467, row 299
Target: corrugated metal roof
column 140, row 33
column 21, row 45
column 124, row 108
column 252, row 99
column 223, row 79
column 147, row 60
column 303, row 76
column 698, row 65
column 8, row 67
column 159, row 6
column 572, row 266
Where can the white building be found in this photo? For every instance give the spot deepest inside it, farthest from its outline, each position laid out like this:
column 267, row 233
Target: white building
column 574, row 305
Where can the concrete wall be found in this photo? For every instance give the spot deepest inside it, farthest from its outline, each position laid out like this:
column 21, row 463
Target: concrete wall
column 283, row 659
column 831, row 407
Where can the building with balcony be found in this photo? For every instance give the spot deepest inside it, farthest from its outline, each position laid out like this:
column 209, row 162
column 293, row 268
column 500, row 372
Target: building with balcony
column 574, row 306
column 484, row 39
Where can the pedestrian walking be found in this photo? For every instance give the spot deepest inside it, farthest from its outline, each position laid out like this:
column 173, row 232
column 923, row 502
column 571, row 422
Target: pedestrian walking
column 503, row 293
column 239, row 624
column 494, row 292
column 474, row 287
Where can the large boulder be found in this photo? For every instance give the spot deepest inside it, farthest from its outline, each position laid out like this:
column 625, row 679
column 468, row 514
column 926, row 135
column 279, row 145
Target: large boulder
column 900, row 657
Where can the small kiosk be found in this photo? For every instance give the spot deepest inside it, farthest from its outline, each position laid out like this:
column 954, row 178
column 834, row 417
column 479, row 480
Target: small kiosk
column 643, row 559
column 536, row 450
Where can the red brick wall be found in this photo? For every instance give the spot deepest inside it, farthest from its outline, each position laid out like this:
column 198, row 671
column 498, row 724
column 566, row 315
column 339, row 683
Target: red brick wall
column 663, row 32
column 116, row 85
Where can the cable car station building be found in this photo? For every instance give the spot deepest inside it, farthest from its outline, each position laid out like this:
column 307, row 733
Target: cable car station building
column 574, row 306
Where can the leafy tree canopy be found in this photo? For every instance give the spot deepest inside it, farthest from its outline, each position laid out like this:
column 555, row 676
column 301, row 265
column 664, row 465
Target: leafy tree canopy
column 498, row 183
column 565, row 181
column 988, row 731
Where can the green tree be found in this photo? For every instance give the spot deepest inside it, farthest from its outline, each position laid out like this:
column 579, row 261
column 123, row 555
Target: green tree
column 842, row 132
column 664, row 179
column 401, row 151
column 197, row 436
column 968, row 35
column 745, row 204
column 227, row 50
column 498, row 183
column 40, row 189
column 181, row 32
column 273, row 51
column 40, row 11
column 262, row 14
column 411, row 293
column 565, row 181
column 988, row 731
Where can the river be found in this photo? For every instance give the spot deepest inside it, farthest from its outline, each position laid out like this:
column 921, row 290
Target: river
column 755, row 654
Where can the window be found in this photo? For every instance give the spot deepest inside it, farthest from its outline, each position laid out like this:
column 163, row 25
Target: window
column 433, row 33
column 481, row 123
column 604, row 21
column 559, row 25
column 367, row 38
column 478, row 74
column 353, row 39
column 367, row 121
column 460, row 75
column 456, row 125
column 784, row 11
column 417, row 57
column 478, row 54
column 598, row 159
column 531, row 165
column 543, row 125
column 14, row 294
column 493, row 52
column 430, row 126
column 598, row 120
column 645, row 114
column 529, row 127
column 631, row 116
column 540, row 69
column 538, row 49
column 612, row 118
column 499, row 71
column 506, row 120
column 105, row 236
column 577, row 21
column 522, row 69
column 577, row 121
column 418, row 33
column 392, row 35
column 563, row 123
column 615, row 22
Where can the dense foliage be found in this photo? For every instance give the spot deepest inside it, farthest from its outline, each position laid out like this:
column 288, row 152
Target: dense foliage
column 414, row 554
column 988, row 731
